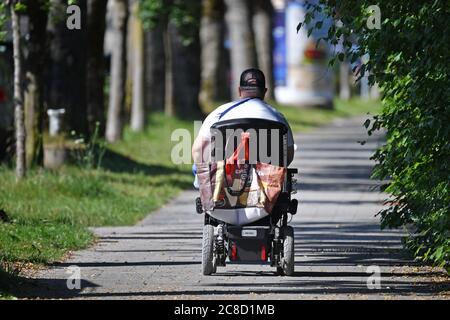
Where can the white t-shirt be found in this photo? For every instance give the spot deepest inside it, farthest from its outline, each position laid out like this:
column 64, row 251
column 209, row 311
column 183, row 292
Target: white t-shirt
column 252, row 109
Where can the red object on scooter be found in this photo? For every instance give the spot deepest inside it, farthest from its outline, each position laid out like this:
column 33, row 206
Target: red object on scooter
column 233, row 252
column 231, row 162
column 263, row 253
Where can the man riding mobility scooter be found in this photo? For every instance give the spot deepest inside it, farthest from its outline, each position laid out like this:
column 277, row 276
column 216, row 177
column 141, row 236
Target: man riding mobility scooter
column 245, row 196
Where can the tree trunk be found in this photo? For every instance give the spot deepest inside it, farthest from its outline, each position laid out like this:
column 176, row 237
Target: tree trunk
column 262, row 27
column 155, row 68
column 95, row 70
column 33, row 120
column 374, row 92
column 169, row 104
column 137, row 47
column 344, row 80
column 68, row 74
column 114, row 125
column 364, row 87
column 18, row 101
column 211, row 37
column 242, row 45
column 186, row 71
column 34, row 65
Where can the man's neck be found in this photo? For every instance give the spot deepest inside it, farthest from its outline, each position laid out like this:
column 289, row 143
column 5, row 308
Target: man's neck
column 250, row 96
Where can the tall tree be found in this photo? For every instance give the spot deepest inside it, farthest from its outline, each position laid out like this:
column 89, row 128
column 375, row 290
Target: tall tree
column 67, row 88
column 238, row 20
column 115, row 121
column 262, row 28
column 169, row 105
column 182, row 53
column 185, row 73
column 136, row 34
column 184, row 27
column 18, row 97
column 95, row 65
column 155, row 68
column 344, row 80
column 154, row 16
column 211, row 37
column 180, row 20
column 34, row 66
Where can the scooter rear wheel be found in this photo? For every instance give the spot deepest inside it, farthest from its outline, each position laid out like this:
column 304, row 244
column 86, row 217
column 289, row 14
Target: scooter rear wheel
column 287, row 261
column 208, row 250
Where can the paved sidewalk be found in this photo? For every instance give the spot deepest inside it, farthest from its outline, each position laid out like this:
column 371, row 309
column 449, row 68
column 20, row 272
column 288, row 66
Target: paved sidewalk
column 337, row 239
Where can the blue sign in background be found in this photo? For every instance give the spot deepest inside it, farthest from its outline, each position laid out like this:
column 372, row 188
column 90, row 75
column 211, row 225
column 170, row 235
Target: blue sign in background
column 279, row 49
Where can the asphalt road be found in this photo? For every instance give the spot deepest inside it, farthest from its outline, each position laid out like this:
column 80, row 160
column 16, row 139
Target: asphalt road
column 338, row 242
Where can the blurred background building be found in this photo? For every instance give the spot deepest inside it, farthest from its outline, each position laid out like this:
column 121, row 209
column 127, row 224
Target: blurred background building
column 302, row 75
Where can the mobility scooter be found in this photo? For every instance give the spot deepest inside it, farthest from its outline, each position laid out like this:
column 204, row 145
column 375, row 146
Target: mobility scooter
column 237, row 233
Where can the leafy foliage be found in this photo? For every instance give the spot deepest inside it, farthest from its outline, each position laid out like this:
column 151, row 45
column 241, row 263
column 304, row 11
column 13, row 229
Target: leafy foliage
column 21, row 7
column 409, row 59
column 184, row 14
column 3, row 19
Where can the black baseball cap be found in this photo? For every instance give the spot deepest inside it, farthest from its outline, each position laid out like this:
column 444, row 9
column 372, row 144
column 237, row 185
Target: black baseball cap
column 253, row 79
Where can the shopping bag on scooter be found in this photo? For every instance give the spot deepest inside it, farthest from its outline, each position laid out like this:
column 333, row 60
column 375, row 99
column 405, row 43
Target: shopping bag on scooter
column 234, row 184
